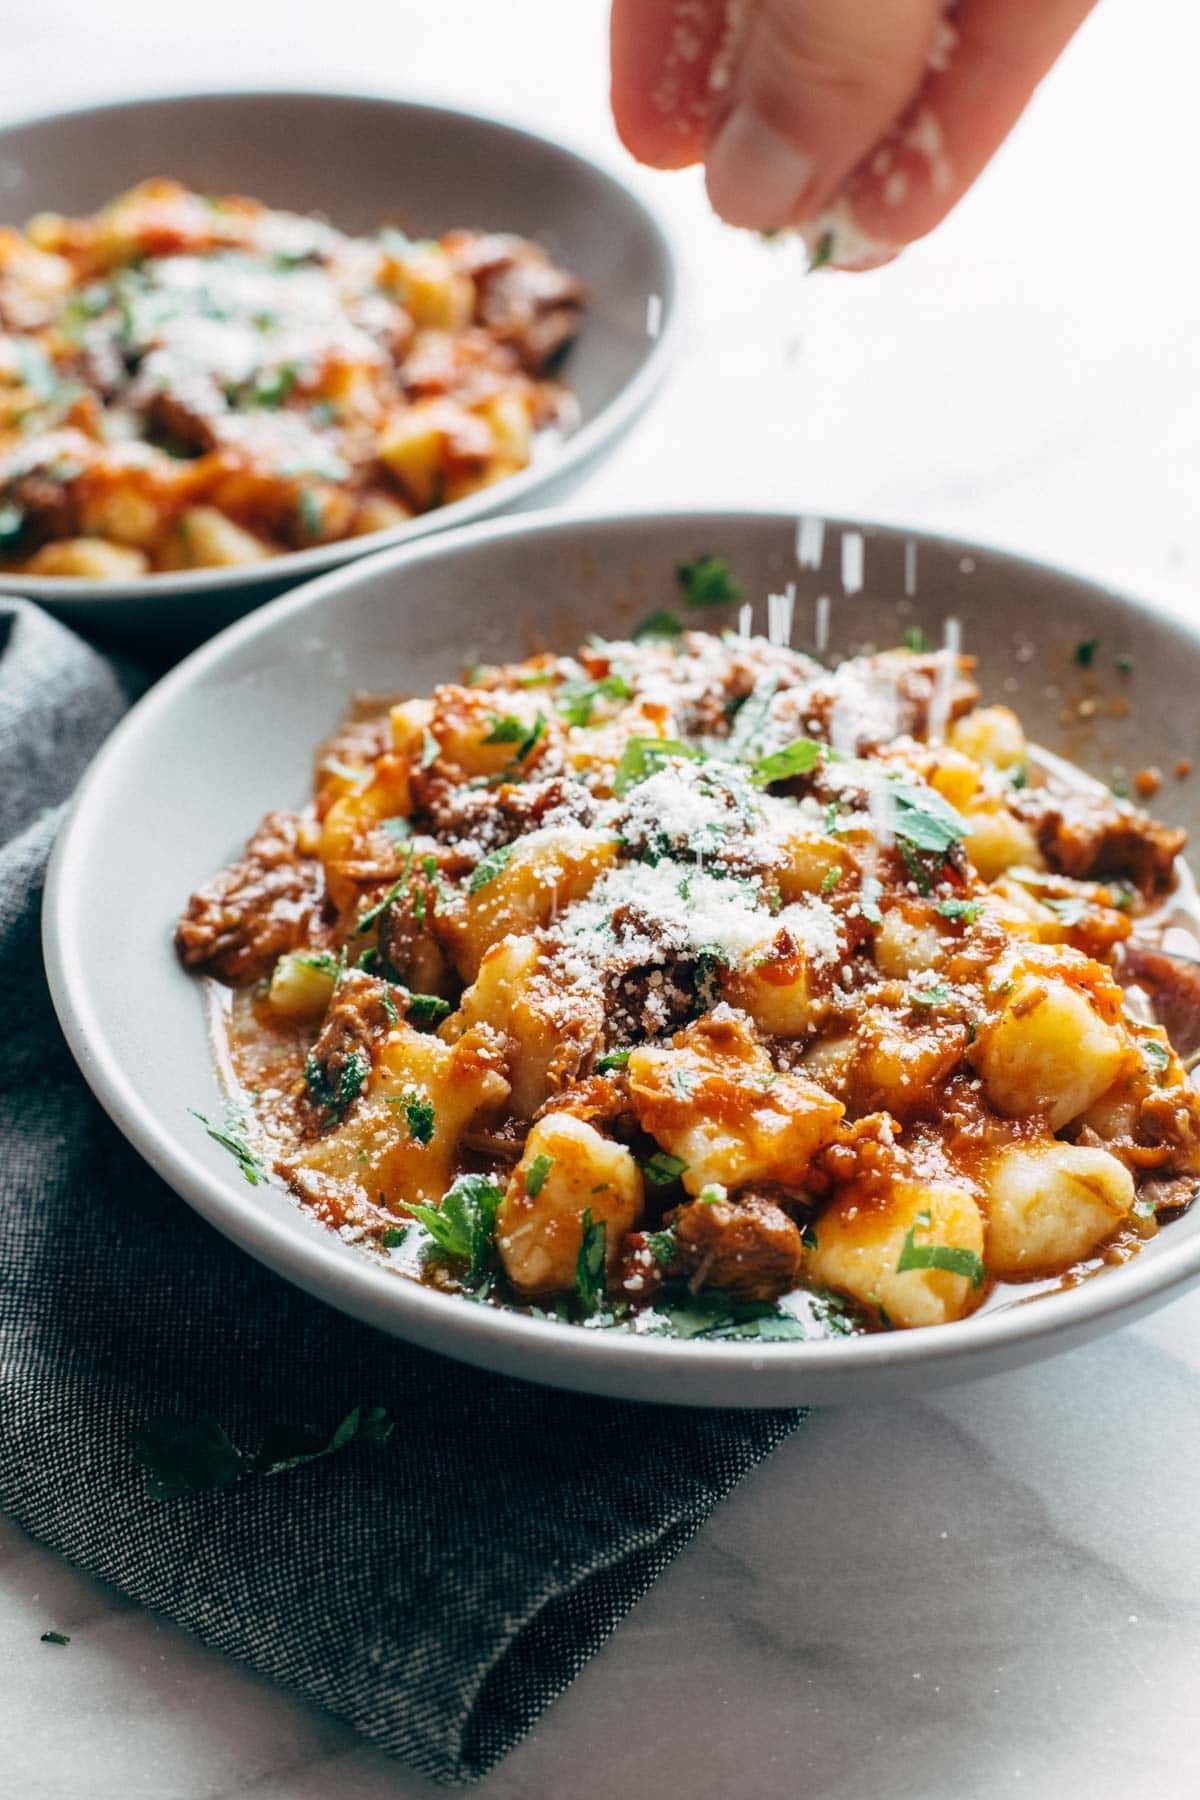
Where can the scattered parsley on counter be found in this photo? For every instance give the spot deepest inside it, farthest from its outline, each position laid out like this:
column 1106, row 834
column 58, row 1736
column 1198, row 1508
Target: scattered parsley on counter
column 194, row 1456
column 54, row 1637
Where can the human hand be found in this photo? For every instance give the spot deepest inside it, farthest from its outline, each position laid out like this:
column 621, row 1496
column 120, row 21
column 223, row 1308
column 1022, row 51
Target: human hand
column 861, row 122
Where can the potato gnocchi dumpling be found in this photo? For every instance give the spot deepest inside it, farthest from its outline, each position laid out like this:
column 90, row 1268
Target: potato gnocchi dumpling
column 686, row 986
column 191, row 381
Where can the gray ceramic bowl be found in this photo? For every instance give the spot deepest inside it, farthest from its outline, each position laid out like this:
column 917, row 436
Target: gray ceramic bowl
column 230, row 734
column 363, row 161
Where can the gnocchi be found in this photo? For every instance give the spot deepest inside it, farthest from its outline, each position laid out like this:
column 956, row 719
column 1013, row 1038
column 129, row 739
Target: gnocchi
column 685, row 986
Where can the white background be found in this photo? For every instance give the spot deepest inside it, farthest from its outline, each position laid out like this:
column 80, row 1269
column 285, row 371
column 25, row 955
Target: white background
column 998, row 1591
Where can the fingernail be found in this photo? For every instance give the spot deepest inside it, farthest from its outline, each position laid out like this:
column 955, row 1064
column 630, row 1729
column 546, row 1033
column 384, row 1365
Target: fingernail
column 756, row 177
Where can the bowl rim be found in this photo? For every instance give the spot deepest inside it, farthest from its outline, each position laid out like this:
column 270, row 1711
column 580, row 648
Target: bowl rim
column 514, row 492
column 420, row 1314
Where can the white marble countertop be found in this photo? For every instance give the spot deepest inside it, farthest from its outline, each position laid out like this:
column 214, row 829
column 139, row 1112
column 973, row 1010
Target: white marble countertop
column 991, row 1592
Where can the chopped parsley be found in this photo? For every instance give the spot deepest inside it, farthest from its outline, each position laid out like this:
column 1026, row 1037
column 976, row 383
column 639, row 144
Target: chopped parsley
column 505, row 730
column 367, row 919
column 707, row 582
column 195, row 1456
column 427, row 1009
column 488, row 867
column 272, row 386
column 1123, row 664
column 823, row 254
column 54, row 1637
column 231, row 1139
column 662, row 1168
column 923, row 820
column 830, row 880
column 613, row 1059
column 966, row 910
column 393, row 1237
column 464, row 1225
column 661, row 1245
column 1085, row 652
column 714, row 1313
column 658, row 625
column 1157, row 1056
column 335, row 1100
column 710, row 961
column 577, row 699
column 536, row 1173
column 643, row 757
column 430, row 748
column 800, row 758
column 915, row 640
column 590, row 1285
column 937, row 995
column 312, row 513
column 12, row 519
column 420, row 1116
column 949, row 1260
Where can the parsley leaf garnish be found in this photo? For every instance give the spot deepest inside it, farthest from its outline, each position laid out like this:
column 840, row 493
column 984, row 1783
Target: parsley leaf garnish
column 923, row 820
column 420, row 1115
column 578, row 698
column 950, row 1260
column 800, row 758
column 427, row 1009
column 488, row 867
column 464, row 1225
column 966, row 910
column 662, row 1168
column 643, row 757
column 661, row 1245
column 506, row 730
column 231, row 1139
column 536, row 1173
column 614, row 1059
column 707, row 582
column 658, row 625
column 823, row 253
column 590, row 1285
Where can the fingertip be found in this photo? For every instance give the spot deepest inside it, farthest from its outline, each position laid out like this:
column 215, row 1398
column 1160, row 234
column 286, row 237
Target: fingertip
column 660, row 61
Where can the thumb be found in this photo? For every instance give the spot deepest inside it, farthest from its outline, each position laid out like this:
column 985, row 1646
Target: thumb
column 814, row 86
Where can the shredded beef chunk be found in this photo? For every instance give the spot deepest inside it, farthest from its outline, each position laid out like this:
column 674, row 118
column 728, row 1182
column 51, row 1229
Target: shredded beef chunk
column 523, row 298
column 361, row 1013
column 1084, row 836
column 748, row 1246
column 238, row 924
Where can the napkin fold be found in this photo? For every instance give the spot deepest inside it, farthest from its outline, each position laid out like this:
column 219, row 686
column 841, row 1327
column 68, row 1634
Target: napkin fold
column 436, row 1591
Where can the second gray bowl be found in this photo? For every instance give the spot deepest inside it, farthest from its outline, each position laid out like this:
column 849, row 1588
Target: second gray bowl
column 363, row 161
